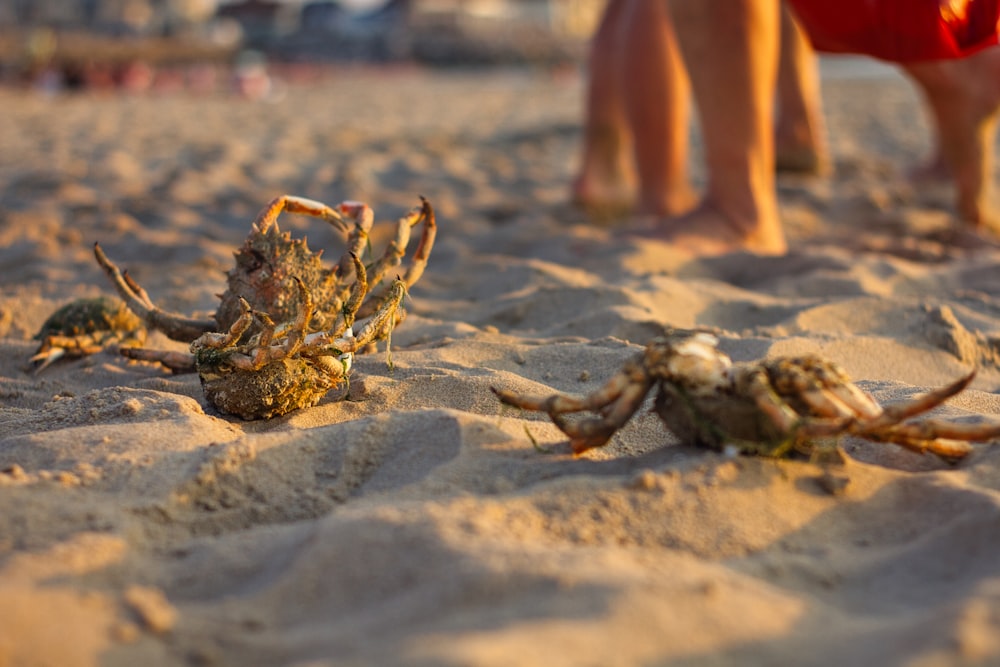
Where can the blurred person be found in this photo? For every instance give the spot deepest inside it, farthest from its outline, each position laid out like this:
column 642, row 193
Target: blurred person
column 948, row 49
column 251, row 79
column 644, row 73
column 636, row 136
column 637, row 89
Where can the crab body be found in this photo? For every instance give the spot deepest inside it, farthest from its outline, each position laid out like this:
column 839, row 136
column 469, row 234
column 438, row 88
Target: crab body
column 86, row 326
column 274, row 389
column 279, row 388
column 718, row 420
column 265, row 268
column 283, row 334
column 772, row 408
column 282, row 368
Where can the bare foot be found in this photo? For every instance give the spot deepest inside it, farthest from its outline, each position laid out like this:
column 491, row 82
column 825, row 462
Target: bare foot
column 603, row 189
column 983, row 237
column 799, row 145
column 796, row 158
column 799, row 139
column 706, row 232
column 666, row 201
column 935, row 182
column 606, row 179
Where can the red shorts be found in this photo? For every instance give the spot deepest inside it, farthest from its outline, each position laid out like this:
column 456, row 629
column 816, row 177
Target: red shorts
column 900, row 30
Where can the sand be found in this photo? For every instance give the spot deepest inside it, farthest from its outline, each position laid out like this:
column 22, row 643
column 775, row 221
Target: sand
column 416, row 523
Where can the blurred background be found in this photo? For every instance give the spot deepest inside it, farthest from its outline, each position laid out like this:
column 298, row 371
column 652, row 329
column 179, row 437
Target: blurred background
column 56, row 45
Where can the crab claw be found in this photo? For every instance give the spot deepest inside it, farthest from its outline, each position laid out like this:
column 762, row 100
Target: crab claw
column 353, row 208
column 47, row 354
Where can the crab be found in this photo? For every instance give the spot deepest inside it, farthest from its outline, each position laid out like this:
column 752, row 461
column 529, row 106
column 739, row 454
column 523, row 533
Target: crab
column 284, row 334
column 772, row 407
column 86, row 326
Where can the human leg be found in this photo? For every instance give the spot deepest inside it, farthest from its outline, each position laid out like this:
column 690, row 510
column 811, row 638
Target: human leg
column 606, row 177
column 800, row 144
column 730, row 48
column 964, row 97
column 657, row 102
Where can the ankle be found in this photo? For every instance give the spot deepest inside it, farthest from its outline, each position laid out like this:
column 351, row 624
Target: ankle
column 707, row 231
column 756, row 224
column 666, row 201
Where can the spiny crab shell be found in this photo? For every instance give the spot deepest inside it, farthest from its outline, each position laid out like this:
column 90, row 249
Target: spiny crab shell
column 264, row 273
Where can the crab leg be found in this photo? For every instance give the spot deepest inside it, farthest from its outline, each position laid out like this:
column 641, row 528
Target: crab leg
column 376, row 327
column 595, row 432
column 933, row 429
column 824, row 388
column 380, row 324
column 826, row 405
column 556, row 404
column 949, row 449
column 423, row 251
column 55, row 347
column 945, row 447
column 183, row 362
column 757, row 385
column 178, row 362
column 842, row 397
column 894, row 414
column 175, row 326
column 357, row 238
column 348, row 311
column 616, row 401
column 263, row 352
column 858, row 401
column 268, row 217
column 947, row 439
column 236, row 331
column 393, row 255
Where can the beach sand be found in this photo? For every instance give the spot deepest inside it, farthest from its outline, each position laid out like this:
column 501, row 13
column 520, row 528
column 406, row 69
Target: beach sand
column 416, row 523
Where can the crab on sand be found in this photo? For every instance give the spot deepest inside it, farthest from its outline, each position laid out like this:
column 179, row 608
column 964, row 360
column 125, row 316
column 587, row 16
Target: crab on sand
column 284, row 332
column 771, row 407
column 86, row 326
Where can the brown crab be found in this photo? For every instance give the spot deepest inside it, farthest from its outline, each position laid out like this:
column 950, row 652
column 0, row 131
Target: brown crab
column 770, row 408
column 283, row 334
column 87, row 326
